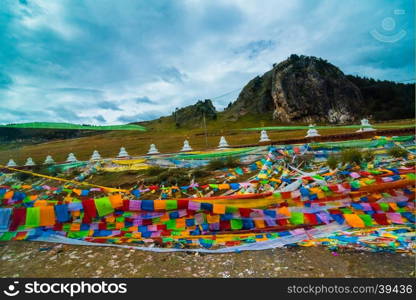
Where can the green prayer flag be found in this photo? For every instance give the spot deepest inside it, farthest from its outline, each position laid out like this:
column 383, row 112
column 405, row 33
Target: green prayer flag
column 171, row 224
column 171, row 204
column 7, row 236
column 32, row 217
column 104, row 206
column 296, row 218
column 411, row 176
column 231, row 209
column 368, row 221
column 355, row 184
column 111, row 226
column 375, row 172
column 346, row 210
column 384, row 206
column 236, row 224
column 78, row 234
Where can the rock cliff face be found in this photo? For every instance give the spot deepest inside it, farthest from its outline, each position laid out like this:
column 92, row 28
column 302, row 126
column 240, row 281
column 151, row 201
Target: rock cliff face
column 301, row 89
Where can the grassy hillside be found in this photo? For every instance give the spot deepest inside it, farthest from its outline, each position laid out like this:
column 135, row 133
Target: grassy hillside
column 164, row 134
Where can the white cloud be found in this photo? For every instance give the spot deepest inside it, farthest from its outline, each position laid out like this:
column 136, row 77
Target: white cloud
column 62, row 54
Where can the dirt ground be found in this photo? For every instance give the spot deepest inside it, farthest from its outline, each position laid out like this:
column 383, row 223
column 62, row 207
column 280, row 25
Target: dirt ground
column 39, row 259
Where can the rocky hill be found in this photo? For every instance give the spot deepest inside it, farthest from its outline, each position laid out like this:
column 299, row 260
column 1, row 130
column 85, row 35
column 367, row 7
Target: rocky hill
column 310, row 89
column 194, row 114
column 301, row 89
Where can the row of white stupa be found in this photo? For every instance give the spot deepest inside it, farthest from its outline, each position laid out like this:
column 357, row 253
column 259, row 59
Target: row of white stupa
column 312, row 132
column 365, row 126
column 124, row 154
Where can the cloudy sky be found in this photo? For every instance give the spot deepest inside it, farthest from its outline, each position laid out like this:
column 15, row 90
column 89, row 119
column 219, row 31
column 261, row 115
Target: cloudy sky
column 119, row 61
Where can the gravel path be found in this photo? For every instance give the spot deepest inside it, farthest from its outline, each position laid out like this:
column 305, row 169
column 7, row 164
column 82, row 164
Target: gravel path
column 38, row 259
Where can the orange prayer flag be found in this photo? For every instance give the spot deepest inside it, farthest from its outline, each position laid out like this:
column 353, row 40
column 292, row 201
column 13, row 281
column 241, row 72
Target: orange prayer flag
column 159, row 204
column 137, row 235
column 354, row 221
column 75, row 227
column 119, row 225
column 224, row 186
column 218, row 209
column 40, row 203
column 116, row 200
column 164, row 217
column 133, row 228
column 213, row 219
column 110, row 219
column 284, row 210
column 393, row 206
column 77, row 191
column 8, row 195
column 180, row 223
column 259, row 223
column 47, row 216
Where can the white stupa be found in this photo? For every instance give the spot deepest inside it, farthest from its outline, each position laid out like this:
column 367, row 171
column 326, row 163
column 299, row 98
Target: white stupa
column 264, row 137
column 29, row 162
column 223, row 143
column 312, row 131
column 186, row 146
column 95, row 155
column 123, row 153
column 71, row 158
column 153, row 149
column 49, row 160
column 365, row 126
column 11, row 163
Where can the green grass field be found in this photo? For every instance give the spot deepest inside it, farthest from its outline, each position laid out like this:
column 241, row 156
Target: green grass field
column 166, row 136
